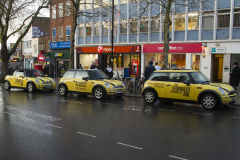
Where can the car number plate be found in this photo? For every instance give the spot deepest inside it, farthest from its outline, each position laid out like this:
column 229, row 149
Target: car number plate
column 49, row 86
column 234, row 99
column 119, row 91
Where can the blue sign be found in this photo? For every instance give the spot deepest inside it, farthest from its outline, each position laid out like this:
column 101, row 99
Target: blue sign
column 59, row 45
column 214, row 50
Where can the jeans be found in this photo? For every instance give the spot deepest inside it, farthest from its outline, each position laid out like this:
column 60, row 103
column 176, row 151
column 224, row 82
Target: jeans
column 51, row 75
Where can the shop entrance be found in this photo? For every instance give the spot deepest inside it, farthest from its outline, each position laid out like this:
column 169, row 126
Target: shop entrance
column 217, row 68
column 195, row 62
column 62, row 67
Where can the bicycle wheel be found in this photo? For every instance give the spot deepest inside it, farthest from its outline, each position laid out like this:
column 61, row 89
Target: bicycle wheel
column 131, row 88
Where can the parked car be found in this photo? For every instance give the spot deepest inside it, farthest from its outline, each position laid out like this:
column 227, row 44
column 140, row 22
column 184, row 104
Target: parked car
column 90, row 81
column 29, row 79
column 189, row 86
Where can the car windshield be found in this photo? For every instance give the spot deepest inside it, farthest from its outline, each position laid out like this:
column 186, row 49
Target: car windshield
column 199, row 77
column 95, row 75
column 34, row 73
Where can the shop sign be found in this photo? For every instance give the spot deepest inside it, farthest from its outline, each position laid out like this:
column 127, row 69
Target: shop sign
column 41, row 58
column 218, row 50
column 37, row 32
column 173, row 48
column 100, row 49
column 58, row 54
column 59, row 45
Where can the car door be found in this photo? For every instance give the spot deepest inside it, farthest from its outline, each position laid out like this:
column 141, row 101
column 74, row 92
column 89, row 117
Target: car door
column 68, row 79
column 19, row 78
column 176, row 89
column 80, row 85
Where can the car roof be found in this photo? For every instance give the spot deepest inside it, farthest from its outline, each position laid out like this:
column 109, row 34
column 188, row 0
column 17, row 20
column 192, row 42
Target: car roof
column 83, row 70
column 186, row 71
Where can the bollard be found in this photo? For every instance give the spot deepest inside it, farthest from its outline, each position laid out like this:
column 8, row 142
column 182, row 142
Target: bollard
column 135, row 87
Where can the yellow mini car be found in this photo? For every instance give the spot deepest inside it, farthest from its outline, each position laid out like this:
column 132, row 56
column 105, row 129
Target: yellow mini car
column 29, row 79
column 94, row 82
column 188, row 86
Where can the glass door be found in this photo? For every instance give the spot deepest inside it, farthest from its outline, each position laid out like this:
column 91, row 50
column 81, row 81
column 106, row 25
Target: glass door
column 196, row 62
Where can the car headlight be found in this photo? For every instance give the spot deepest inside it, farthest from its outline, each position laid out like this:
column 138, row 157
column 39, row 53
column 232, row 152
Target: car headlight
column 37, row 81
column 53, row 80
column 107, row 85
column 221, row 91
column 123, row 84
column 233, row 88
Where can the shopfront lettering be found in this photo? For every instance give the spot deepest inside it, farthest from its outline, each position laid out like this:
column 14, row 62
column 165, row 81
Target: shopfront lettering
column 58, row 54
column 108, row 49
column 171, row 48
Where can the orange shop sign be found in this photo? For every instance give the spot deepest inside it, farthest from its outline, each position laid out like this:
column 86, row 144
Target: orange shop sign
column 116, row 49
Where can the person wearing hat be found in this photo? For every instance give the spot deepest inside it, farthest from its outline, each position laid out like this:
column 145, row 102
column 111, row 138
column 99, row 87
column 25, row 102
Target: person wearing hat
column 234, row 76
column 149, row 70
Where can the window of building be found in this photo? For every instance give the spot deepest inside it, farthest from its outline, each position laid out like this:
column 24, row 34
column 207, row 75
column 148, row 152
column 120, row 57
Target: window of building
column 97, row 3
column 144, row 25
column 35, row 48
column 54, row 36
column 81, row 30
column 54, row 11
column 81, row 6
column 223, row 18
column 60, row 33
column 60, row 10
column 88, row 29
column 68, row 33
column 133, row 25
column 193, row 20
column 30, row 44
column 88, row 4
column 123, row 28
column 41, row 46
column 155, row 26
column 25, row 46
column 96, row 29
column 104, row 28
column 207, row 20
column 236, row 20
column 49, row 45
column 179, row 22
column 68, row 8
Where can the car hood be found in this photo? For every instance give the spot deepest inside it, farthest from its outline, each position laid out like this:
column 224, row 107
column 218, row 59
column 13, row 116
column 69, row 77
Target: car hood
column 44, row 79
column 226, row 87
column 112, row 82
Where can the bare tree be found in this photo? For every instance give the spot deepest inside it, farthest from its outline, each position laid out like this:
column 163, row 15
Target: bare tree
column 16, row 15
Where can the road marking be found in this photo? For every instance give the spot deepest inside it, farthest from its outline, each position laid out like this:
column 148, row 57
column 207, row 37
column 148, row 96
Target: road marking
column 128, row 145
column 53, row 126
column 86, row 134
column 8, row 113
column 167, row 110
column 177, row 157
column 203, row 114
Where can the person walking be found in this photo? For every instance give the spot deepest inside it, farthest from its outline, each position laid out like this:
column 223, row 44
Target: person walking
column 109, row 72
column 51, row 70
column 46, row 70
column 149, row 70
column 80, row 66
column 156, row 66
column 234, row 76
column 94, row 66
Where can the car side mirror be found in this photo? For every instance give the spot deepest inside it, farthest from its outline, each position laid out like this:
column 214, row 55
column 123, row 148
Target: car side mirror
column 85, row 78
column 21, row 76
column 46, row 75
column 187, row 83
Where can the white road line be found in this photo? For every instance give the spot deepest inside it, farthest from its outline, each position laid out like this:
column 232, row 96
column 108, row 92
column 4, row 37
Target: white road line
column 86, row 134
column 167, row 110
column 203, row 114
column 177, row 157
column 53, row 126
column 8, row 113
column 128, row 145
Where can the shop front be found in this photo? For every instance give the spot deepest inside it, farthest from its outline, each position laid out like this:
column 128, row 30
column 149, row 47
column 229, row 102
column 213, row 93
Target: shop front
column 122, row 57
column 181, row 55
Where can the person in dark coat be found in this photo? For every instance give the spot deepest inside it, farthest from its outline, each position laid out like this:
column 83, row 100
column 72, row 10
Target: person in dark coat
column 94, row 66
column 51, row 70
column 45, row 70
column 80, row 66
column 149, row 70
column 234, row 76
column 108, row 71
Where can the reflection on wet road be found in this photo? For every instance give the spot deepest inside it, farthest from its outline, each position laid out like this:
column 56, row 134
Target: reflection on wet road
column 44, row 125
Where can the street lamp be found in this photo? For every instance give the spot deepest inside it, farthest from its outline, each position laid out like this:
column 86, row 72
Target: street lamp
column 112, row 31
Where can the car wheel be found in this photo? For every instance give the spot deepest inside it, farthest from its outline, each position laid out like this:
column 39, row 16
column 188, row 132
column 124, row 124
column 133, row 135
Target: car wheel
column 98, row 93
column 7, row 85
column 131, row 88
column 150, row 97
column 31, row 87
column 63, row 91
column 209, row 102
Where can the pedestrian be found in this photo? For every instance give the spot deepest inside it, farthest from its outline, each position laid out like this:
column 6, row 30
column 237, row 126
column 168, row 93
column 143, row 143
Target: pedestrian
column 156, row 66
column 20, row 66
column 51, row 70
column 163, row 67
column 109, row 72
column 80, row 66
column 234, row 76
column 149, row 70
column 94, row 66
column 46, row 70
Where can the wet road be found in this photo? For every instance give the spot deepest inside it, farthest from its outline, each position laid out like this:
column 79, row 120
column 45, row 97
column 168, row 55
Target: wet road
column 47, row 126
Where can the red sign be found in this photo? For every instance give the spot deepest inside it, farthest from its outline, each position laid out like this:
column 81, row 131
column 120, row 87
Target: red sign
column 41, row 57
column 100, row 49
column 135, row 67
column 174, row 48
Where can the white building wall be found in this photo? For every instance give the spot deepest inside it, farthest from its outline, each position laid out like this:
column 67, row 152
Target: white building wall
column 35, row 42
column 205, row 63
column 27, row 52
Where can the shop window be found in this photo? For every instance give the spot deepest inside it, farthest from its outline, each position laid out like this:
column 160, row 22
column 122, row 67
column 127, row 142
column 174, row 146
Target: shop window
column 68, row 33
column 155, row 58
column 88, row 29
column 223, row 18
column 54, row 38
column 96, row 29
column 195, row 62
column 60, row 29
column 178, row 61
column 104, row 28
column 68, row 8
column 193, row 21
column 60, row 10
column 207, row 20
column 54, row 11
column 236, row 20
column 155, row 26
column 126, row 62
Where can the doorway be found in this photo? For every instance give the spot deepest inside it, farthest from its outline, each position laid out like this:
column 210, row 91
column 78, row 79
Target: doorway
column 195, row 62
column 217, row 68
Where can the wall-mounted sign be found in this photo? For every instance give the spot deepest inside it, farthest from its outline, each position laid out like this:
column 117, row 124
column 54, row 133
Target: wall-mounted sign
column 37, row 32
column 100, row 49
column 41, row 57
column 58, row 54
column 218, row 50
column 59, row 45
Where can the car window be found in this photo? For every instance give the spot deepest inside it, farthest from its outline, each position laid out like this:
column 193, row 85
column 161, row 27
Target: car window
column 19, row 73
column 179, row 77
column 94, row 75
column 81, row 74
column 14, row 74
column 69, row 74
column 33, row 73
column 159, row 76
column 199, row 77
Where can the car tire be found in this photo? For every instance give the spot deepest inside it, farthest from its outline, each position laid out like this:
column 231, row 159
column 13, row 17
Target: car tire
column 149, row 96
column 209, row 101
column 98, row 93
column 7, row 85
column 31, row 87
column 62, row 89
